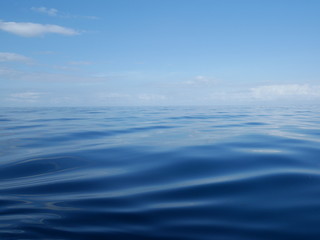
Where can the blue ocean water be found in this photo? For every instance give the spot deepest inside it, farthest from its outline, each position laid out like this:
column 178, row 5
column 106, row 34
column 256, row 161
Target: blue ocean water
column 216, row 173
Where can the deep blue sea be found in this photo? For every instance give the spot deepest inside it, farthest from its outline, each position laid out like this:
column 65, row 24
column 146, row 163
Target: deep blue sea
column 216, row 173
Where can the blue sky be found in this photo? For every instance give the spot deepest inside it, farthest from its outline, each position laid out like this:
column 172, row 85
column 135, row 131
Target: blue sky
column 159, row 52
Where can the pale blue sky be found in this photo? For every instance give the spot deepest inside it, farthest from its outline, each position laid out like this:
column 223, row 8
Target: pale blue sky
column 159, row 52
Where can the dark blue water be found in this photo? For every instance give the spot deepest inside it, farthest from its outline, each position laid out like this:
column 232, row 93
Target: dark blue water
column 220, row 173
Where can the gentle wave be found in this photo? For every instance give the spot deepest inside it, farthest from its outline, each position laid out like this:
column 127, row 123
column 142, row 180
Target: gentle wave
column 160, row 173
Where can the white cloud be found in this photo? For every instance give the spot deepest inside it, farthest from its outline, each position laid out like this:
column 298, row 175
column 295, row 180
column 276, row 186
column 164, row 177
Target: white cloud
column 271, row 92
column 28, row 97
column 13, row 57
column 127, row 99
column 200, row 80
column 151, row 97
column 27, row 29
column 48, row 11
column 113, row 95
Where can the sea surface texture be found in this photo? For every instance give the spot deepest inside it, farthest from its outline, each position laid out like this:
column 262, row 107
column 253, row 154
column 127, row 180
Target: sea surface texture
column 216, row 173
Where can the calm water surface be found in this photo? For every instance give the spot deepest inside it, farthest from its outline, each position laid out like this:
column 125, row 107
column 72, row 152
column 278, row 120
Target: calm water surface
column 216, row 173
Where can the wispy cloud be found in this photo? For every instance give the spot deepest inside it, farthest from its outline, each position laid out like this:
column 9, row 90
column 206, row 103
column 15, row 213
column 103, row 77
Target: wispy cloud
column 112, row 95
column 200, row 80
column 271, row 92
column 27, row 29
column 151, row 97
column 29, row 97
column 48, row 11
column 65, row 68
column 127, row 99
column 13, row 57
column 55, row 13
column 10, row 73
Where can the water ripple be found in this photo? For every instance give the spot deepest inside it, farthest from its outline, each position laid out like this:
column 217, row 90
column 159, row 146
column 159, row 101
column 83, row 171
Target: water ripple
column 160, row 173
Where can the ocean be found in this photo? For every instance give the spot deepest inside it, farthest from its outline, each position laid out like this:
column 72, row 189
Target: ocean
column 189, row 173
